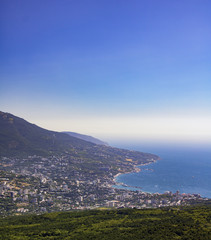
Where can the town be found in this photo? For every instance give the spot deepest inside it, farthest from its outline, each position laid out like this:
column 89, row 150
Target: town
column 37, row 184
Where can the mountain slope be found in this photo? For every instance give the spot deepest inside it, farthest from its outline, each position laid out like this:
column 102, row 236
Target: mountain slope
column 87, row 138
column 19, row 136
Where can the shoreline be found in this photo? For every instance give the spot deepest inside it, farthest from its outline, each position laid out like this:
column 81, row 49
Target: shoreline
column 137, row 169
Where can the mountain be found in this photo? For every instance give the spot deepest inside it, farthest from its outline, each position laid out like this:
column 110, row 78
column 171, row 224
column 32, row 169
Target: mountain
column 87, row 138
column 21, row 138
column 18, row 136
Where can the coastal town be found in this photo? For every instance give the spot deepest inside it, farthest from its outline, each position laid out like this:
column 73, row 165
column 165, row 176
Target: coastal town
column 39, row 184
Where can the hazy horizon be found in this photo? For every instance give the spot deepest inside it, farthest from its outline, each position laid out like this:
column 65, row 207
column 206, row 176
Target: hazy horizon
column 135, row 71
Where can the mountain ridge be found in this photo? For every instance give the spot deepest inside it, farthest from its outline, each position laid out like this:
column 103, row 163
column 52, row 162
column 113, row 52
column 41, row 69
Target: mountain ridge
column 19, row 138
column 86, row 138
column 16, row 134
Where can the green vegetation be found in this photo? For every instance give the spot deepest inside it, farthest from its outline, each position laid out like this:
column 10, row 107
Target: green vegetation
column 19, row 138
column 168, row 223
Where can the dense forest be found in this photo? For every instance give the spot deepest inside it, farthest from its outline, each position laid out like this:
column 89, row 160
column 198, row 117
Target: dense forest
column 193, row 222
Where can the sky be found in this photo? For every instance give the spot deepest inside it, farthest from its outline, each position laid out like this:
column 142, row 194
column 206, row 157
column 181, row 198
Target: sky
column 113, row 69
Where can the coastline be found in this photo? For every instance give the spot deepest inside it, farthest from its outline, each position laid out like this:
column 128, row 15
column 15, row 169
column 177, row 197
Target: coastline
column 194, row 190
column 137, row 169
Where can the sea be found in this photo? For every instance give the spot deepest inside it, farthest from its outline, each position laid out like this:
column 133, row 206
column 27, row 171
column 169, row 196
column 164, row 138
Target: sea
column 183, row 168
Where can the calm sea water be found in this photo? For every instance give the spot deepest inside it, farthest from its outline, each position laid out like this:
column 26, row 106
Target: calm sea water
column 183, row 168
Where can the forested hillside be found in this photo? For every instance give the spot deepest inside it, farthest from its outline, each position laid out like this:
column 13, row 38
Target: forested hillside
column 168, row 223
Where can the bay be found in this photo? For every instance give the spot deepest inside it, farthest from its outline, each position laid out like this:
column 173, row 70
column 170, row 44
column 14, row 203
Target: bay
column 181, row 168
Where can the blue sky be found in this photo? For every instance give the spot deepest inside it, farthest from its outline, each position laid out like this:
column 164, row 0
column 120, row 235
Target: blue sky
column 112, row 69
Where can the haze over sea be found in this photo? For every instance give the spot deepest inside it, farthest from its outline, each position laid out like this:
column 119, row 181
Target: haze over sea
column 184, row 168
